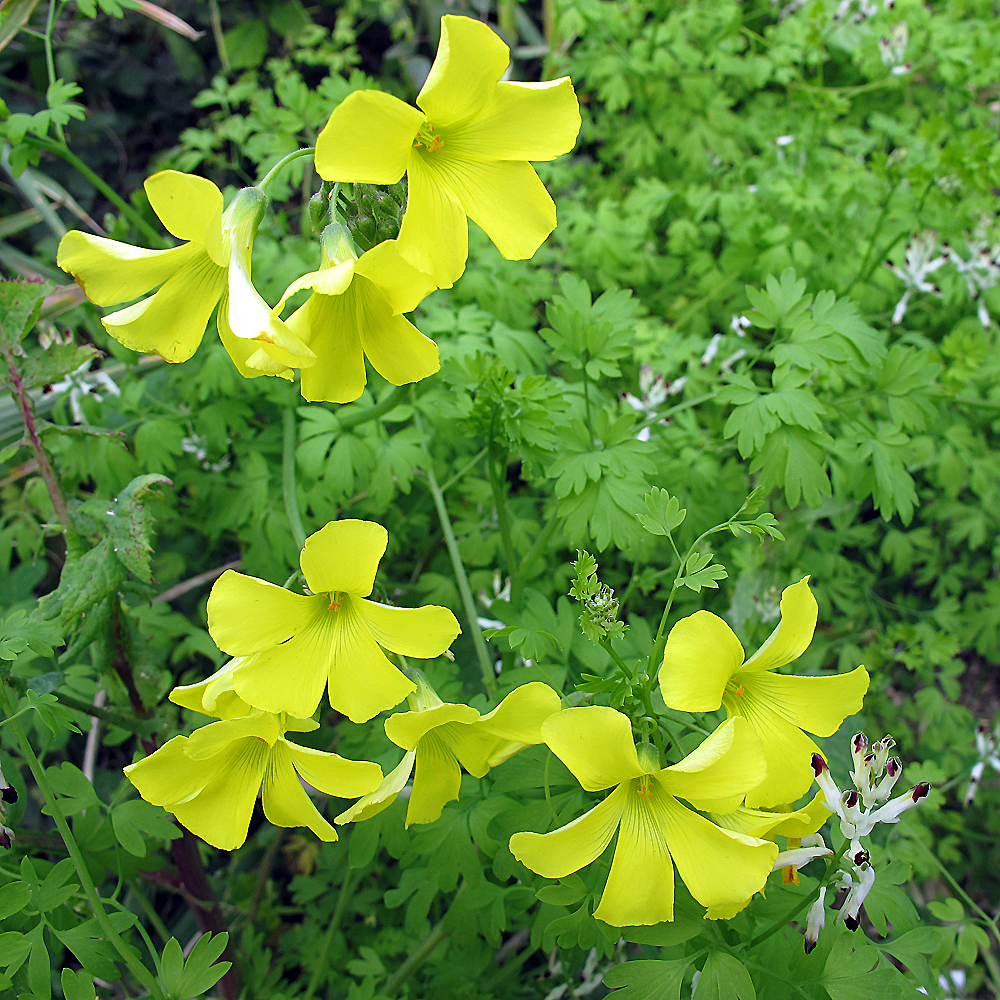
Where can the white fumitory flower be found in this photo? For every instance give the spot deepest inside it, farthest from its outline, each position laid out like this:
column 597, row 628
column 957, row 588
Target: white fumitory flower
column 920, row 262
column 987, row 743
column 981, row 270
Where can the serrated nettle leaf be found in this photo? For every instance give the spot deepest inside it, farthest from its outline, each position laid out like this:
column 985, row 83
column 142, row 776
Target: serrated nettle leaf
column 20, row 302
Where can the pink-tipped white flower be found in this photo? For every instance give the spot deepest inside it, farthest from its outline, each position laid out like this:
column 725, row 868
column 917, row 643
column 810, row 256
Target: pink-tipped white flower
column 860, row 889
column 986, row 749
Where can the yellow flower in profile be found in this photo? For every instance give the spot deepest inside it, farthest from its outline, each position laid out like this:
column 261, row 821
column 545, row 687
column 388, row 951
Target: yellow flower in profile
column 718, row 866
column 213, row 264
column 440, row 736
column 355, row 310
column 210, row 779
column 703, row 668
column 296, row 645
column 465, row 151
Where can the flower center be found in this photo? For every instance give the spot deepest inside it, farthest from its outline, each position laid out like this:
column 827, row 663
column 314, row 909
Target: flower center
column 644, row 790
column 734, row 687
column 336, row 600
column 428, row 138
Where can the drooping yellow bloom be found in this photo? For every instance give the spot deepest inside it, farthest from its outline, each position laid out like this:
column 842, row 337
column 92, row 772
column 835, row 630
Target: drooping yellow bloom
column 355, row 310
column 465, row 151
column 210, row 779
column 703, row 668
column 656, row 831
column 296, row 645
column 213, row 264
column 440, row 736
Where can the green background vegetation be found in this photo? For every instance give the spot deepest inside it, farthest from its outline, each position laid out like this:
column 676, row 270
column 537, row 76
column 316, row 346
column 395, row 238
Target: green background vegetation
column 736, row 159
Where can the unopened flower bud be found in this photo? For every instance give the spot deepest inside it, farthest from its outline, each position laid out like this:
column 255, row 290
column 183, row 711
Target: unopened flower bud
column 815, row 920
column 882, row 791
column 831, row 793
column 6, row 837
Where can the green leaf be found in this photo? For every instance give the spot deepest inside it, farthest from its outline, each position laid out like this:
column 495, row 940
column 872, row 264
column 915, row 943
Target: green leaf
column 85, row 581
column 53, row 363
column 89, row 944
column 132, row 819
column 54, row 889
column 851, row 972
column 20, row 631
column 664, row 512
column 724, row 978
column 947, row 910
column 75, row 788
column 700, row 572
column 246, row 44
column 562, row 895
column 78, row 985
column 14, row 897
column 782, row 304
column 39, row 974
column 647, row 980
column 182, row 980
column 129, row 525
column 14, row 948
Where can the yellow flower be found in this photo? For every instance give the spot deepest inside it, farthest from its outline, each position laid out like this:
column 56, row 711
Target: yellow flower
column 210, row 779
column 296, row 645
column 355, row 310
column 703, row 668
column 718, row 866
column 214, row 263
column 440, row 736
column 465, row 151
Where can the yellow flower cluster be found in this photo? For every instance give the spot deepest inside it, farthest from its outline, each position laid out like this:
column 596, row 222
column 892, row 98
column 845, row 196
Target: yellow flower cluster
column 464, row 150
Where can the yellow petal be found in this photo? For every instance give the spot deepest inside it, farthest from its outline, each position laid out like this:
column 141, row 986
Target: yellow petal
column 210, row 740
column 168, row 775
column 285, row 800
column 362, row 681
column 329, row 324
column 402, row 284
column 727, row 911
column 190, row 207
column 172, row 322
column 398, row 351
column 470, row 60
column 213, row 798
column 110, row 272
column 367, row 139
column 436, row 781
column 246, row 615
column 595, row 743
column 794, row 632
column 701, row 654
column 434, row 236
column 571, row 847
column 248, row 317
column 249, row 356
column 718, row 867
column 717, row 774
column 332, row 774
column 520, row 715
column 787, row 751
column 817, row 704
column 640, row 887
column 758, row 822
column 505, row 198
column 521, row 121
column 514, row 724
column 806, row 821
column 326, row 281
column 407, row 729
column 422, row 632
column 343, row 556
column 213, row 696
column 383, row 796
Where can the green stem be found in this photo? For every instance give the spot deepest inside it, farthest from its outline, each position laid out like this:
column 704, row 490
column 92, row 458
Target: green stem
column 141, row 973
column 217, row 34
column 660, row 642
column 281, row 164
column 517, row 587
column 288, row 487
column 154, row 918
column 875, row 235
column 363, row 416
column 321, row 968
column 464, row 590
column 503, row 522
column 606, row 645
column 116, row 199
column 474, row 461
column 415, row 959
column 141, row 727
column 50, row 64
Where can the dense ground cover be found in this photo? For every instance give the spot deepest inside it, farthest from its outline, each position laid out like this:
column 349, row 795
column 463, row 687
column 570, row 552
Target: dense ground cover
column 713, row 315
